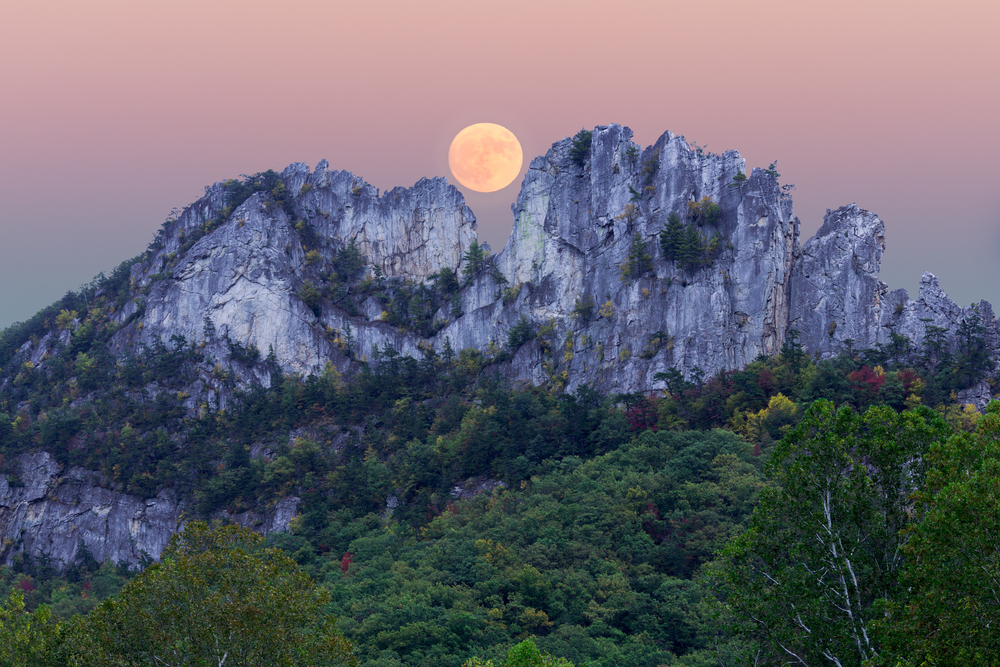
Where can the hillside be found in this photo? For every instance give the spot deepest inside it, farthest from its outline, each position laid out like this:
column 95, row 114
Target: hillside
column 308, row 307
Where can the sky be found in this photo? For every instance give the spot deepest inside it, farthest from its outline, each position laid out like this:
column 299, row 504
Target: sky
column 115, row 112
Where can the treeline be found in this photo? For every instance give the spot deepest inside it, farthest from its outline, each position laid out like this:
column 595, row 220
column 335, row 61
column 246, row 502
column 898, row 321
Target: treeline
column 451, row 515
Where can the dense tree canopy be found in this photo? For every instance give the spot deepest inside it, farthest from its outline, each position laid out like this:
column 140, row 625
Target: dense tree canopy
column 825, row 544
column 218, row 597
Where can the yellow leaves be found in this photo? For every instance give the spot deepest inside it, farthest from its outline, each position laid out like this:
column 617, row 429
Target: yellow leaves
column 629, row 214
column 779, row 415
column 608, row 309
column 84, row 363
column 961, row 417
column 64, row 319
column 533, row 620
column 332, row 376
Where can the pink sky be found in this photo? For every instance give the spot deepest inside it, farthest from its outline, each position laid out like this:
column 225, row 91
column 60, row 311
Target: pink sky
column 114, row 112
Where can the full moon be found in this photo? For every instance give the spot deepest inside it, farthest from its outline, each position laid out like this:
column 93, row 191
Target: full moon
column 485, row 157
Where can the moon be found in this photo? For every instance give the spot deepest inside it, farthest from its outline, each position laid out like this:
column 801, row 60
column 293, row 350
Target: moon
column 485, row 157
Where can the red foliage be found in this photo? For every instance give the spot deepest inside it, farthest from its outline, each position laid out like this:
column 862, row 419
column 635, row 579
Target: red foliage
column 656, row 528
column 26, row 585
column 345, row 562
column 908, row 377
column 765, row 380
column 866, row 383
column 643, row 415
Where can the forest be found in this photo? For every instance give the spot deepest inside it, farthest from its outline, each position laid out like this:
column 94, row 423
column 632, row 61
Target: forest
column 796, row 511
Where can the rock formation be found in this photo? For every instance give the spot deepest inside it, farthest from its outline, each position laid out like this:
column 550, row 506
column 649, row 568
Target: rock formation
column 54, row 513
column 583, row 270
column 574, row 226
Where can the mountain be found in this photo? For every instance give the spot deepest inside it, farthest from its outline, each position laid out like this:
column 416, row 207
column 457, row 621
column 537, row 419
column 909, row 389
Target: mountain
column 623, row 262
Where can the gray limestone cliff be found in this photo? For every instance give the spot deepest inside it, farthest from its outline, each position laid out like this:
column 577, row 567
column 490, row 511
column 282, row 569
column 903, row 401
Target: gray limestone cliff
column 51, row 513
column 561, row 269
column 583, row 270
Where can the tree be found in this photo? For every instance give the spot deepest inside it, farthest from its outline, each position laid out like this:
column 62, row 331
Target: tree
column 218, row 597
column 824, row 545
column 475, row 260
column 580, row 149
column 671, row 236
column 27, row 640
column 690, row 248
column 519, row 334
column 638, row 262
column 952, row 573
column 525, row 654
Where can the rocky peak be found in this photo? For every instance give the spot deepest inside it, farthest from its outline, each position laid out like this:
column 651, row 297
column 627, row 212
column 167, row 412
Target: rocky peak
column 836, row 293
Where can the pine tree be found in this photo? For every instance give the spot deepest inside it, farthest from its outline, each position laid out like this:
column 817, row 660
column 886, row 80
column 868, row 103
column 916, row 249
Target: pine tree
column 691, row 248
column 671, row 236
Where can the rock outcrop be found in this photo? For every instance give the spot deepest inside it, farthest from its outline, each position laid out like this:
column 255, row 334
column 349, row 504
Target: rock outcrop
column 563, row 269
column 50, row 514
column 583, row 270
column 575, row 224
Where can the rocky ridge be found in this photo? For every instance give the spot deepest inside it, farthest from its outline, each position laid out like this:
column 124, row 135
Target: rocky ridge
column 569, row 271
column 573, row 229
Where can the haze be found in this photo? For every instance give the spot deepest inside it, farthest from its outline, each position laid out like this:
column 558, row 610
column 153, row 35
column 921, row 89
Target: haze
column 115, row 112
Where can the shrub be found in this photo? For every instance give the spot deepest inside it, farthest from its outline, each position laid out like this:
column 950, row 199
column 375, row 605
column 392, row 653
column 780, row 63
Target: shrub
column 704, row 211
column 519, row 334
column 580, row 150
column 650, row 166
column 310, row 296
column 639, row 262
column 583, row 310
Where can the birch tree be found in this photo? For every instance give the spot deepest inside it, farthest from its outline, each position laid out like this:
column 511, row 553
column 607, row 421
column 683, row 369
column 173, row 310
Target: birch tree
column 824, row 545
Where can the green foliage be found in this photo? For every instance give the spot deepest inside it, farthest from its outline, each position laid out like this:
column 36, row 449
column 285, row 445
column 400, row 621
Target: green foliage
column 691, row 249
column 948, row 609
column 525, row 654
column 638, row 262
column 684, row 244
column 824, row 544
column 592, row 557
column 310, row 296
column 446, row 282
column 670, row 237
column 704, row 212
column 739, row 179
column 583, row 309
column 27, row 639
column 348, row 262
column 580, row 149
column 475, row 259
column 217, row 597
column 76, row 591
column 519, row 334
column 650, row 166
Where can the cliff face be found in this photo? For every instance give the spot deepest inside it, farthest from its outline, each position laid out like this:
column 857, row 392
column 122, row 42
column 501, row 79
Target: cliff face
column 573, row 231
column 583, row 269
column 52, row 514
column 574, row 227
column 561, row 269
column 837, row 298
